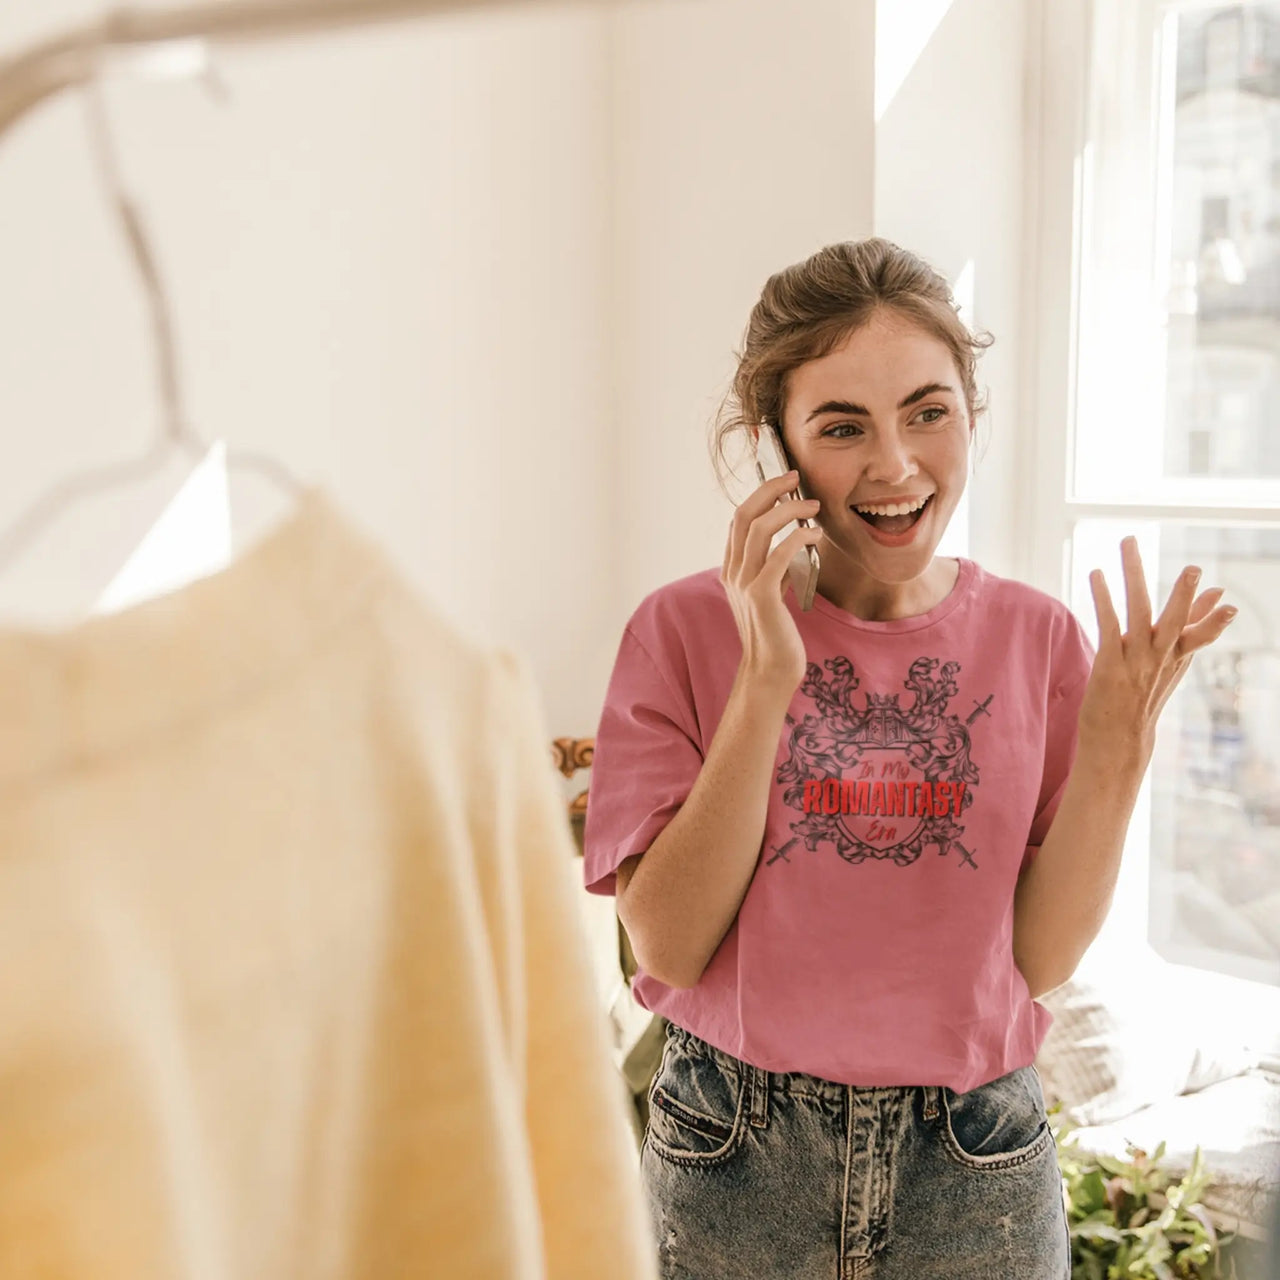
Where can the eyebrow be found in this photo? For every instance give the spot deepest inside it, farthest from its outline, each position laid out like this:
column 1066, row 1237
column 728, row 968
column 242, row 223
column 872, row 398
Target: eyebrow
column 847, row 406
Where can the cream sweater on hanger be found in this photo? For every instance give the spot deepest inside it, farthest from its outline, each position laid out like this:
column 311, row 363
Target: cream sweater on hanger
column 292, row 980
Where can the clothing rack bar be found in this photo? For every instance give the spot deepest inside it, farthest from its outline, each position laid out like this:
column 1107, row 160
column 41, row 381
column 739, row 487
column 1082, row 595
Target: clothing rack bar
column 69, row 59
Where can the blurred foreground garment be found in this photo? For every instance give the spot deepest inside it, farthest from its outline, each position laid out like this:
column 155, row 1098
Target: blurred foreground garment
column 293, row 980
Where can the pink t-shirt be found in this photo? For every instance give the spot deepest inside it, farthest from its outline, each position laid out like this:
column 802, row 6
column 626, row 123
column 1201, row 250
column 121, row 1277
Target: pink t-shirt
column 920, row 765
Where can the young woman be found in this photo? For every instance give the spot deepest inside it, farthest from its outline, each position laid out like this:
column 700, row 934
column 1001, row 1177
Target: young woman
column 852, row 845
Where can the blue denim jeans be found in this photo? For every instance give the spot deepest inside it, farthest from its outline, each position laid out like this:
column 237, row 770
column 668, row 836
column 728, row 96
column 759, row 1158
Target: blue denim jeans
column 758, row 1175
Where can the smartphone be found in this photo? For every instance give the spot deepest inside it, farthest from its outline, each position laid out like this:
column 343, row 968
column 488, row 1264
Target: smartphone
column 772, row 461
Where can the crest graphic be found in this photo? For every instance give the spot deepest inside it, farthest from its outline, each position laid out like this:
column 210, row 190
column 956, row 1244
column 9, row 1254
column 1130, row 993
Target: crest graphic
column 880, row 781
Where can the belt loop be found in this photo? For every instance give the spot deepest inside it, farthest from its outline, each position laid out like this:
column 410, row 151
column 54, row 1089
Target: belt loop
column 759, row 1097
column 930, row 1102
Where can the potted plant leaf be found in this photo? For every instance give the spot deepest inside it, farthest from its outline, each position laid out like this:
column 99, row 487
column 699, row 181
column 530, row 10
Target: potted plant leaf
column 1131, row 1219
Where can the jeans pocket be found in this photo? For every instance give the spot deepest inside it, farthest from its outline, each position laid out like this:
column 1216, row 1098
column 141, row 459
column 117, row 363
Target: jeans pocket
column 998, row 1125
column 695, row 1108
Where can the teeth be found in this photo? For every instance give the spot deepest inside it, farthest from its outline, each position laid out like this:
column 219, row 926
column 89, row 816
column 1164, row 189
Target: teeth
column 894, row 508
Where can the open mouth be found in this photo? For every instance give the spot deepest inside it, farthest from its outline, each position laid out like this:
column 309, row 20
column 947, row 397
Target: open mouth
column 895, row 524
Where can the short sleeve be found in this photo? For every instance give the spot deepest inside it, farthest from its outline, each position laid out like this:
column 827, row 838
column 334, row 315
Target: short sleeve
column 647, row 756
column 1069, row 673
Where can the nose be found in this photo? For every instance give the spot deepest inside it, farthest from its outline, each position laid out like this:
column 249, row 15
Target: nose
column 890, row 461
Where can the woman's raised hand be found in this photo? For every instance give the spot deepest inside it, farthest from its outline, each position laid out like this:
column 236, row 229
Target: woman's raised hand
column 1135, row 671
column 755, row 581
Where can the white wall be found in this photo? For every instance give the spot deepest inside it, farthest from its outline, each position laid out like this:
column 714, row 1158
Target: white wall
column 484, row 277
column 951, row 185
column 743, row 142
column 747, row 138
column 388, row 259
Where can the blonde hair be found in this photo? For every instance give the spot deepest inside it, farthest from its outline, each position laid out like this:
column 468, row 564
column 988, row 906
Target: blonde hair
column 806, row 310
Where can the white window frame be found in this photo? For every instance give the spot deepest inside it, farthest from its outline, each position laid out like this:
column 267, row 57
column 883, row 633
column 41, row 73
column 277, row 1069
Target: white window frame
column 1062, row 167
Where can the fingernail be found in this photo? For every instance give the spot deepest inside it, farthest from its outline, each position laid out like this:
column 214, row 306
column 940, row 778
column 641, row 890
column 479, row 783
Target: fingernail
column 1231, row 614
column 1193, row 574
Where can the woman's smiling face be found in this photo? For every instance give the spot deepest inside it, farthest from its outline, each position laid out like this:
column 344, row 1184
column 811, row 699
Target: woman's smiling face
column 880, row 421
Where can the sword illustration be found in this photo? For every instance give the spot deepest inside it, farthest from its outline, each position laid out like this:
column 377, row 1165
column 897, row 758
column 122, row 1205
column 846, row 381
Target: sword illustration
column 980, row 709
column 781, row 853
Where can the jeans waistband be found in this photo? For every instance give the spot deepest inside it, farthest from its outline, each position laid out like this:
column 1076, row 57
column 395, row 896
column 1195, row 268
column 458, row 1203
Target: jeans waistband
column 797, row 1083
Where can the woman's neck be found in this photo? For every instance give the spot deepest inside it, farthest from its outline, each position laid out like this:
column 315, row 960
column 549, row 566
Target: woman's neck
column 849, row 587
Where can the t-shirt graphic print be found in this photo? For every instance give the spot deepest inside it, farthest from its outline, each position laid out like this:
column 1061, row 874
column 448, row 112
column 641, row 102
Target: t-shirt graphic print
column 879, row 780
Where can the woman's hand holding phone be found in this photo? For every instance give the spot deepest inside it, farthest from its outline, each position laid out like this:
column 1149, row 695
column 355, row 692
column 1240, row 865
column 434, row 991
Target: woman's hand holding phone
column 755, row 580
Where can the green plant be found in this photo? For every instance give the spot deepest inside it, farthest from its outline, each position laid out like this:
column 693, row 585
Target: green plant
column 1131, row 1220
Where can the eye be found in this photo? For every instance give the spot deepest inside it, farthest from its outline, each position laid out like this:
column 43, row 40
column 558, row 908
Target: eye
column 933, row 409
column 843, row 426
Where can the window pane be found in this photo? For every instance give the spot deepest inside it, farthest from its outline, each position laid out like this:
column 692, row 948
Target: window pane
column 1221, row 204
column 1214, row 820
